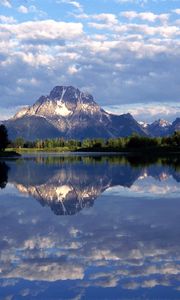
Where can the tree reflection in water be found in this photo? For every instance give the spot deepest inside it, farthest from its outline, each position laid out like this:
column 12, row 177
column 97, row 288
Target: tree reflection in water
column 3, row 174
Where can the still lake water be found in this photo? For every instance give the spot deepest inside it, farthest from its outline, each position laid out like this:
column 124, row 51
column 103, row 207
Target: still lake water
column 89, row 228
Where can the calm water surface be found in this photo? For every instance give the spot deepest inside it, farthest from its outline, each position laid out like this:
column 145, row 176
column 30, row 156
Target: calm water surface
column 89, row 228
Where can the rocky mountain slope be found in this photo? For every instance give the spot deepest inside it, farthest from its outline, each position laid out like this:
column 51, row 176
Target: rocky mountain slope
column 67, row 112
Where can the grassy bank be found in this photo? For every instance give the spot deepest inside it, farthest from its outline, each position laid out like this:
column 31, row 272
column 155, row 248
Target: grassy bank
column 32, row 150
column 144, row 150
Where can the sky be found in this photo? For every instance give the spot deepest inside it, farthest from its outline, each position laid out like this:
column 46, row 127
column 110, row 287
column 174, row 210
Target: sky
column 126, row 53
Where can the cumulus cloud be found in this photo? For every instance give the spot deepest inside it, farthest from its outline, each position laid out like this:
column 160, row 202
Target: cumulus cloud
column 23, row 9
column 32, row 9
column 105, row 17
column 116, row 60
column 146, row 16
column 43, row 30
column 7, row 20
column 148, row 112
column 6, row 3
column 176, row 11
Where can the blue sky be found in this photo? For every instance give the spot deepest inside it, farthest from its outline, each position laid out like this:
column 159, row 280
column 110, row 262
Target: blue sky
column 125, row 52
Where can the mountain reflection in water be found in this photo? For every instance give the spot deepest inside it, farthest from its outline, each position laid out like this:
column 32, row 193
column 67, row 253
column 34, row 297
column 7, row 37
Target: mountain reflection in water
column 69, row 184
column 124, row 245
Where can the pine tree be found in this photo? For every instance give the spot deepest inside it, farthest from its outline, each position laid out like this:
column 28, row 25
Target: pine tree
column 3, row 138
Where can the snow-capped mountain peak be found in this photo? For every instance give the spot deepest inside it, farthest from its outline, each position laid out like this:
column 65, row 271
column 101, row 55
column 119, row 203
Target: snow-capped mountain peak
column 70, row 113
column 161, row 123
column 159, row 128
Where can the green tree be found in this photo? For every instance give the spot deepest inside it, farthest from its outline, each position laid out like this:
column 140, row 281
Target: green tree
column 176, row 138
column 87, row 143
column 3, row 137
column 19, row 142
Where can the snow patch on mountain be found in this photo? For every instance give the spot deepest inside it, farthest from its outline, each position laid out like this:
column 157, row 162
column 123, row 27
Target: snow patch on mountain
column 62, row 110
column 143, row 124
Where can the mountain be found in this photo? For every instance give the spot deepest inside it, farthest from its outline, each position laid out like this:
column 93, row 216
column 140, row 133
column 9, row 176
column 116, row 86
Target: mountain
column 159, row 128
column 175, row 125
column 67, row 112
column 31, row 127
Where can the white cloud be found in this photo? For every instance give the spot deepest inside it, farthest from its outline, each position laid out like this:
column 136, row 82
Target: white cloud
column 72, row 70
column 107, row 18
column 129, row 14
column 176, row 11
column 145, row 16
column 75, row 4
column 42, row 30
column 31, row 9
column 6, row 3
column 23, row 9
column 148, row 112
column 134, row 61
column 139, row 2
column 7, row 20
column 29, row 81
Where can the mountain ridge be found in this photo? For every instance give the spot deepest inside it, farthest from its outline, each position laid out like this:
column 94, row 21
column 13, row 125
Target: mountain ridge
column 161, row 127
column 69, row 113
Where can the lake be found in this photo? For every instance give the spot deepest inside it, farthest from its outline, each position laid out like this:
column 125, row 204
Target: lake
column 89, row 227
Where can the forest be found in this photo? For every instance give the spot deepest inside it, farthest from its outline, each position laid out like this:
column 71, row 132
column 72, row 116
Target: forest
column 122, row 144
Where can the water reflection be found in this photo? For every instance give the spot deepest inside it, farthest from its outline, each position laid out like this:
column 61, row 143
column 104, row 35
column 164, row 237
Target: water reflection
column 3, row 175
column 69, row 184
column 122, row 247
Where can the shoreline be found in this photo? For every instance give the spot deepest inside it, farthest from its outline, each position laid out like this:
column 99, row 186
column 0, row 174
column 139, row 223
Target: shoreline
column 13, row 153
column 9, row 154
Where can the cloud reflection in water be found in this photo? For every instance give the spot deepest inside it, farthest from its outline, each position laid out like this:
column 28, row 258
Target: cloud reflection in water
column 115, row 246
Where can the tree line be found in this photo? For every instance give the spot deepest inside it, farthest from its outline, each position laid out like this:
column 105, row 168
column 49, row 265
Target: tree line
column 134, row 142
